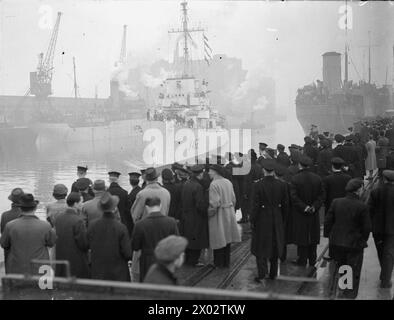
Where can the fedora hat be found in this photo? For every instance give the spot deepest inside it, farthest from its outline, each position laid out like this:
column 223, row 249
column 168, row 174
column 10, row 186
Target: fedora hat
column 108, row 202
column 16, row 195
column 151, row 174
column 27, row 201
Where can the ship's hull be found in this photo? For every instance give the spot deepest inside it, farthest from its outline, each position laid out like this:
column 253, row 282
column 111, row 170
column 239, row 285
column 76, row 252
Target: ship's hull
column 13, row 137
column 152, row 140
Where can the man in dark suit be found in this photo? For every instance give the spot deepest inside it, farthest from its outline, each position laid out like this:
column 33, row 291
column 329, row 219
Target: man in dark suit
column 348, row 224
column 194, row 217
column 381, row 203
column 335, row 183
column 307, row 195
column 267, row 219
column 168, row 181
column 134, row 179
column 282, row 158
column 324, row 158
column 123, row 205
column 109, row 243
column 149, row 231
column 310, row 150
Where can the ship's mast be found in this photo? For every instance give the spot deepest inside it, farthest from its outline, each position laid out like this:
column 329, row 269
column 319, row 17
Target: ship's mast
column 346, row 49
column 369, row 57
column 75, row 81
column 186, row 34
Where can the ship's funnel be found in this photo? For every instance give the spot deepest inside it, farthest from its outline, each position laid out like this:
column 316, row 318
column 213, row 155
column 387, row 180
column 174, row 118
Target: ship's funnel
column 332, row 71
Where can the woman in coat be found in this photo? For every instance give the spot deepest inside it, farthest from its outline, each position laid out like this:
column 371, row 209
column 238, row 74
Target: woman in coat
column 370, row 162
column 223, row 229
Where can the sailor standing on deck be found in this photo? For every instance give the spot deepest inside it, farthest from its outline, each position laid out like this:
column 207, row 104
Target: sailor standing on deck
column 222, row 222
column 81, row 173
column 269, row 211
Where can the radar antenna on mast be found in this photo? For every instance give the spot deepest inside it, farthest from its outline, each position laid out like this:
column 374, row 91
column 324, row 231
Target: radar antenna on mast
column 186, row 31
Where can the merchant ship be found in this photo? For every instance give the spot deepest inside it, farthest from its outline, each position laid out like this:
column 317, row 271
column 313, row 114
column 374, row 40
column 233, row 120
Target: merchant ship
column 335, row 105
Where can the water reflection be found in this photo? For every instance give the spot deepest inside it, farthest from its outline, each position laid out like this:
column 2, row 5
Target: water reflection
column 37, row 169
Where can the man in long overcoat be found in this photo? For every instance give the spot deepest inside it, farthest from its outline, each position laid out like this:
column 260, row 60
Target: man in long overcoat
column 307, row 195
column 348, row 224
column 269, row 209
column 27, row 238
column 152, row 189
column 149, row 231
column 194, row 218
column 109, row 243
column 72, row 241
column 381, row 203
column 324, row 158
column 223, row 228
column 123, row 206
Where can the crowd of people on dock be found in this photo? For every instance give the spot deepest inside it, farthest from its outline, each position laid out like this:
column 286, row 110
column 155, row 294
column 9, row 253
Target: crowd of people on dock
column 175, row 216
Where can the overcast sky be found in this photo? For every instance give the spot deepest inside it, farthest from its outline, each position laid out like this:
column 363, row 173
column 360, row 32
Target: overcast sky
column 284, row 40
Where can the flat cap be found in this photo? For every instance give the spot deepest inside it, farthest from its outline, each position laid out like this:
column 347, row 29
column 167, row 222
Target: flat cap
column 354, row 185
column 216, row 167
column 305, row 161
column 60, row 189
column 338, row 161
column 280, row 147
column 388, row 174
column 308, row 139
column 170, row 248
column 262, row 144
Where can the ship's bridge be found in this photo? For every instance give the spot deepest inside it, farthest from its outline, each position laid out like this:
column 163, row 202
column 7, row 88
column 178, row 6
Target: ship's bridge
column 183, row 91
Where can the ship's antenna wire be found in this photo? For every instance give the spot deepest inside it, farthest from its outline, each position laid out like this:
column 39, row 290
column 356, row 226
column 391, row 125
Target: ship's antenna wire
column 355, row 68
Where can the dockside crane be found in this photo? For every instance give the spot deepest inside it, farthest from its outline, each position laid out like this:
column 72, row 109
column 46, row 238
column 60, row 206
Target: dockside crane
column 122, row 56
column 41, row 80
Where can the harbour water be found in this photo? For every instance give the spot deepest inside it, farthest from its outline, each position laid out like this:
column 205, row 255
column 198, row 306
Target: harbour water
column 37, row 169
